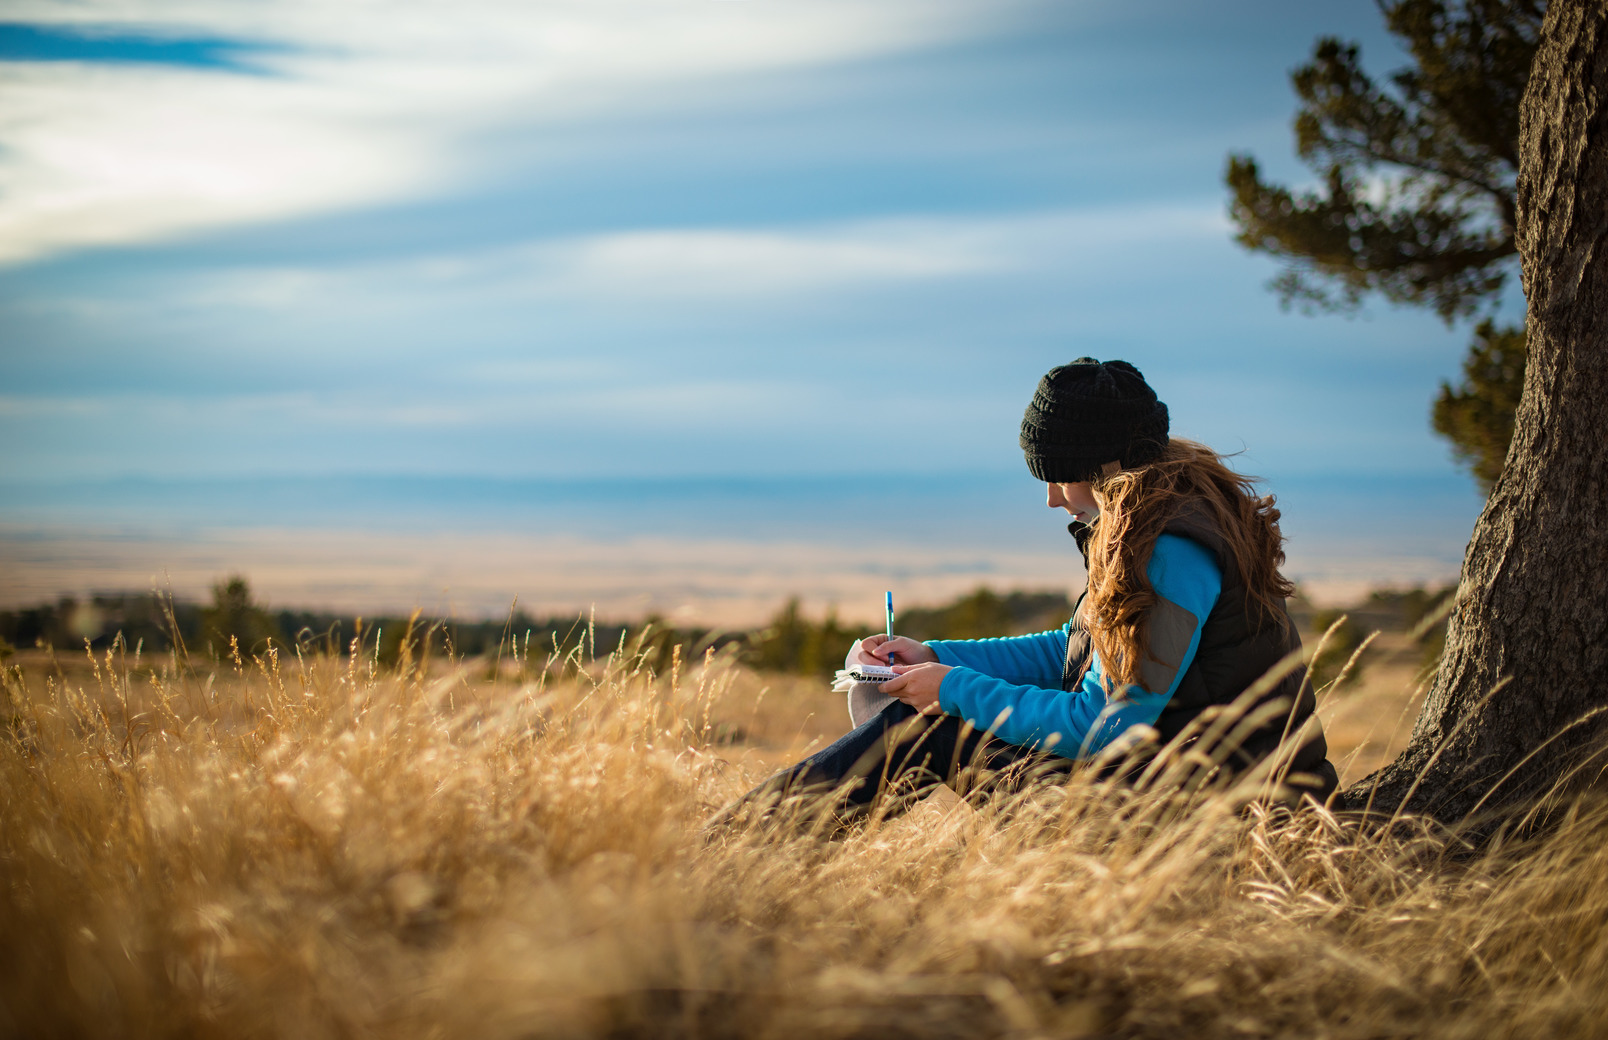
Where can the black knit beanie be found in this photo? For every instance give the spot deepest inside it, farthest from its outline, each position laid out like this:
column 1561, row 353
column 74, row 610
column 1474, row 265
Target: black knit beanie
column 1087, row 414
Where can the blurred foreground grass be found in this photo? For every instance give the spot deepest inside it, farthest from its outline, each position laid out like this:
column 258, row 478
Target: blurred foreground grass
column 327, row 847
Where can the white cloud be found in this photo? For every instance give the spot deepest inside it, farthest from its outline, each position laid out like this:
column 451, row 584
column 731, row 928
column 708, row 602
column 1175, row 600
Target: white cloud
column 367, row 102
column 710, row 263
column 735, row 263
column 537, row 397
column 701, row 264
column 115, row 155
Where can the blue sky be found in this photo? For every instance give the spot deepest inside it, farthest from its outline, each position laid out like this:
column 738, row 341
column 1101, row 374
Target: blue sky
column 638, row 240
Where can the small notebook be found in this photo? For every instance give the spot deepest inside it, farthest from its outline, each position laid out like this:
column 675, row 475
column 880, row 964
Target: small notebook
column 863, row 684
column 871, row 673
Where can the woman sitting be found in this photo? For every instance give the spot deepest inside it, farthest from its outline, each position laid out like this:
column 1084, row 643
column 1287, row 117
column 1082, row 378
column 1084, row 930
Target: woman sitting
column 1180, row 641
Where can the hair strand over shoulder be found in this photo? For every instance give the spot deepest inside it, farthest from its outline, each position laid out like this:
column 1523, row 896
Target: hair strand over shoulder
column 1136, row 505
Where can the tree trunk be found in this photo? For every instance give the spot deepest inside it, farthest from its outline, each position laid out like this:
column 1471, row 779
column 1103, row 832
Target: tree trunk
column 1520, row 706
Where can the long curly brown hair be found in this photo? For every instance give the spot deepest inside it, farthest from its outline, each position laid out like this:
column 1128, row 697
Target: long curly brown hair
column 1135, row 505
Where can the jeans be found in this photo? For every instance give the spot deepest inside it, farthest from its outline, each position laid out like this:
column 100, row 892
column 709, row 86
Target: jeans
column 901, row 751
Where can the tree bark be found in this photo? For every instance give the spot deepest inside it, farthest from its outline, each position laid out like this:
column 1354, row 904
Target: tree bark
column 1519, row 709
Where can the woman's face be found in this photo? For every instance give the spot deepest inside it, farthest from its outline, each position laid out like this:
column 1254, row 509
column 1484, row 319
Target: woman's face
column 1077, row 499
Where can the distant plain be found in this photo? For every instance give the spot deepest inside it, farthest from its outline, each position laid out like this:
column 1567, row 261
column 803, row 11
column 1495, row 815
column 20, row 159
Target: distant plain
column 706, row 551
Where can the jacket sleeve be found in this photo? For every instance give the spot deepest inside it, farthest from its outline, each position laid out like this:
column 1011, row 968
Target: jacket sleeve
column 1080, row 722
column 1034, row 660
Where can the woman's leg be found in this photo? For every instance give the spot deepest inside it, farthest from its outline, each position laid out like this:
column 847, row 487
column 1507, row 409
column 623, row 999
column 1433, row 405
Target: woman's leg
column 900, row 750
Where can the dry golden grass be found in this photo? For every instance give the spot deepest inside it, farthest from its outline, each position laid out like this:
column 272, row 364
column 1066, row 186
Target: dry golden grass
column 324, row 848
column 1368, row 721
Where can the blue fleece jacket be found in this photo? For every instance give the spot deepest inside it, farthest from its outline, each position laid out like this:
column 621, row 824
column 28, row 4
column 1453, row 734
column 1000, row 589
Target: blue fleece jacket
column 1013, row 686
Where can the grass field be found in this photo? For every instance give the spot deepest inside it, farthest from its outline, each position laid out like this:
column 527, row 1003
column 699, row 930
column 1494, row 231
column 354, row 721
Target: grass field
column 329, row 848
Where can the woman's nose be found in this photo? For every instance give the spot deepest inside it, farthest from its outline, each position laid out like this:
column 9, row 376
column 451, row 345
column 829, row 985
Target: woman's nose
column 1052, row 497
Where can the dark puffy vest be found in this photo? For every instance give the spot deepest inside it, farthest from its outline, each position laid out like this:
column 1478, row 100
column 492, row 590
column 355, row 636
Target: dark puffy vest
column 1234, row 652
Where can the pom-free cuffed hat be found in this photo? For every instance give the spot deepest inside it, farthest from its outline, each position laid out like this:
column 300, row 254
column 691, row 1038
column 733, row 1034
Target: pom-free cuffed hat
column 1090, row 413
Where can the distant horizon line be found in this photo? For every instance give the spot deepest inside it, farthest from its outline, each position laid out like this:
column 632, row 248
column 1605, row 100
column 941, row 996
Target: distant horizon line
column 380, row 612
column 1367, row 475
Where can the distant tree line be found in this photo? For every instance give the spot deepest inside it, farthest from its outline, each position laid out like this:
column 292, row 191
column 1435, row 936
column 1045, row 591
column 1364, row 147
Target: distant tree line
column 790, row 642
column 1419, row 612
column 794, row 643
column 233, row 620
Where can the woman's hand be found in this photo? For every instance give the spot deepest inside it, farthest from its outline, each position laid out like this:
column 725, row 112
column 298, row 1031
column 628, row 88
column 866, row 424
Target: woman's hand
column 917, row 685
column 875, row 650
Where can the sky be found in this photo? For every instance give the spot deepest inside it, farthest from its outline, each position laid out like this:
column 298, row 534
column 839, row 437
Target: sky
column 541, row 268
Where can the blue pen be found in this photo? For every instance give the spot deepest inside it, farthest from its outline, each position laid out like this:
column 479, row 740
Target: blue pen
column 890, row 623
